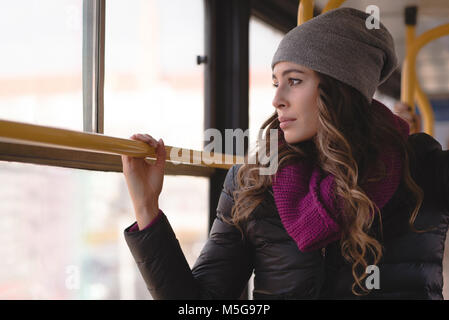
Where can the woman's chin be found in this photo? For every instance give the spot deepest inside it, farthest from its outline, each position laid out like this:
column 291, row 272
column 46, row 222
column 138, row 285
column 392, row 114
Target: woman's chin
column 293, row 140
column 297, row 138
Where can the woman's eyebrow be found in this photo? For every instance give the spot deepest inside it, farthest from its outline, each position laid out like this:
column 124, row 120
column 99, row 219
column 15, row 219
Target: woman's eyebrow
column 288, row 71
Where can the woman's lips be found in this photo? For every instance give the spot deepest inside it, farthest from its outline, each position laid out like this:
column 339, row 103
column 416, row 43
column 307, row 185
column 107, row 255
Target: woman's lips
column 285, row 123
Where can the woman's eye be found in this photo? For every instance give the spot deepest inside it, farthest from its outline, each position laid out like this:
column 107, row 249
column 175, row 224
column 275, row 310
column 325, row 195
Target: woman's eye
column 293, row 82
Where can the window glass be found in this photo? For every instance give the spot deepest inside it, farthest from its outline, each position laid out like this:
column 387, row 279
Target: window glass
column 41, row 62
column 152, row 82
column 62, row 229
column 263, row 42
column 61, row 232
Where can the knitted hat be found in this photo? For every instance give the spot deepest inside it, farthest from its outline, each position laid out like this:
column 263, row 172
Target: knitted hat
column 339, row 44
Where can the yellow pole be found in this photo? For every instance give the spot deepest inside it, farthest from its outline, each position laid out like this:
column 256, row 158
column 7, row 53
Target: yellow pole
column 409, row 82
column 424, row 105
column 332, row 4
column 408, row 69
column 11, row 131
column 305, row 11
column 425, row 108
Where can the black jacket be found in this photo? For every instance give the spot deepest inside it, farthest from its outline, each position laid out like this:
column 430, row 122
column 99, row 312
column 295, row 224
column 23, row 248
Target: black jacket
column 411, row 267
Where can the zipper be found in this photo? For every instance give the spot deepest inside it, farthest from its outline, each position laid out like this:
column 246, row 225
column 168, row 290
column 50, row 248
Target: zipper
column 322, row 276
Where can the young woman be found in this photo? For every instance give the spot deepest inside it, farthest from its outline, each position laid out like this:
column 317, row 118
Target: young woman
column 358, row 208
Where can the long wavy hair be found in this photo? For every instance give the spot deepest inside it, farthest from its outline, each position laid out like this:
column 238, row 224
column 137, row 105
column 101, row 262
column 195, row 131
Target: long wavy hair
column 350, row 136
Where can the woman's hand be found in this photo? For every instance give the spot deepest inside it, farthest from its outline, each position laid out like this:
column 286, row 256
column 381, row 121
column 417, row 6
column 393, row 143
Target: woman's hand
column 405, row 112
column 145, row 180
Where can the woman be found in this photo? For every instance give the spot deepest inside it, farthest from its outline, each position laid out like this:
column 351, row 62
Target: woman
column 357, row 207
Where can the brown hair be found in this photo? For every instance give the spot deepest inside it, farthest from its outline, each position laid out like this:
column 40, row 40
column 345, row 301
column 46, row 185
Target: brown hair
column 350, row 136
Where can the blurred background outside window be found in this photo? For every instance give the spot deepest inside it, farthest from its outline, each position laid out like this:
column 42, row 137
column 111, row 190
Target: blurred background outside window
column 62, row 229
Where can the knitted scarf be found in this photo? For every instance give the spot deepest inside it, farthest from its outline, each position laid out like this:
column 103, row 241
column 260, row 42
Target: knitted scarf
column 306, row 199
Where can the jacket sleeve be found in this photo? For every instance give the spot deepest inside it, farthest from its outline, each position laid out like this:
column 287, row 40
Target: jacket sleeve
column 220, row 272
column 433, row 166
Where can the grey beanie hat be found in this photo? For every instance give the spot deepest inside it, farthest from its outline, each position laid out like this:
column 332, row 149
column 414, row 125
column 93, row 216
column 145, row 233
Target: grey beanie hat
column 339, row 44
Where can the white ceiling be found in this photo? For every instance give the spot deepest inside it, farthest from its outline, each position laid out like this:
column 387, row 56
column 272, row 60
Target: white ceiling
column 433, row 59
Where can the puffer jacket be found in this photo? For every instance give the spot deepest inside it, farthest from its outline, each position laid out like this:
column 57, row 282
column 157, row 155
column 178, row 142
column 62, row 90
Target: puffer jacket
column 411, row 266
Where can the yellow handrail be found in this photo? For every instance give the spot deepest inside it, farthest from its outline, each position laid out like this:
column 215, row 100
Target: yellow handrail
column 425, row 108
column 50, row 136
column 305, row 11
column 408, row 69
column 424, row 105
column 410, row 37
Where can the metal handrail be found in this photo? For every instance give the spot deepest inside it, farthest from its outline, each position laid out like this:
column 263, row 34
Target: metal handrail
column 423, row 103
column 305, row 11
column 408, row 80
column 50, row 136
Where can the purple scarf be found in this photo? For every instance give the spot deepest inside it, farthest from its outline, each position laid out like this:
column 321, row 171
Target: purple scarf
column 305, row 195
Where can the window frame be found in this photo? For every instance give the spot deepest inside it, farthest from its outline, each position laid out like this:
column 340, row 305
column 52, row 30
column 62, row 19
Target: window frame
column 93, row 65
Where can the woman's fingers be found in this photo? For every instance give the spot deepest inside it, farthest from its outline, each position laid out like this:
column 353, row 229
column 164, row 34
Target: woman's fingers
column 149, row 139
column 406, row 116
column 160, row 149
column 137, row 137
column 158, row 145
column 161, row 154
column 145, row 138
column 400, row 107
column 125, row 158
column 405, row 112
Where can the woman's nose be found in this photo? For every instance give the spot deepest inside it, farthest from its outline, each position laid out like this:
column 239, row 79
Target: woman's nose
column 278, row 100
